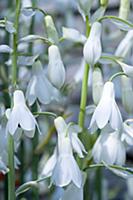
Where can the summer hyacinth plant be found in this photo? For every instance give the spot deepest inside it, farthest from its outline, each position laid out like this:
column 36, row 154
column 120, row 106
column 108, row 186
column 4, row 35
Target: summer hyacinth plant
column 46, row 149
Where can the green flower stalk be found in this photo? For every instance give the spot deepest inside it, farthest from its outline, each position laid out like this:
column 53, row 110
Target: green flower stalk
column 11, row 174
column 84, row 84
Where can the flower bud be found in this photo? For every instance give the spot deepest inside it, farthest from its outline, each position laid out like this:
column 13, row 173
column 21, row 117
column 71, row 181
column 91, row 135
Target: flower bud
column 97, row 85
column 92, row 48
column 51, row 30
column 56, row 70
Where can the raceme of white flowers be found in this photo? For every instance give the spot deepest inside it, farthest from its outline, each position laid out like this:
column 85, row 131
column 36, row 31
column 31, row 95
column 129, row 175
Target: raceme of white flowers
column 62, row 166
column 40, row 87
column 56, row 69
column 20, row 115
column 92, row 49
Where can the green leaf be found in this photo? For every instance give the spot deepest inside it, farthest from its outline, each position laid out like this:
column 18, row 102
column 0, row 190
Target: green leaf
column 119, row 22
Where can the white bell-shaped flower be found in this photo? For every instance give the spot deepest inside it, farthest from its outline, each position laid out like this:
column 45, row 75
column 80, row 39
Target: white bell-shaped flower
column 56, row 69
column 106, row 110
column 40, row 87
column 21, row 116
column 62, row 166
column 109, row 148
column 92, row 49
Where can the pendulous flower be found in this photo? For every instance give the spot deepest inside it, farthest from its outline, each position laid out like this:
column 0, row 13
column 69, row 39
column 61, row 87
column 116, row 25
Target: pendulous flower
column 92, row 49
column 62, row 166
column 109, row 148
column 40, row 87
column 106, row 110
column 56, row 69
column 21, row 116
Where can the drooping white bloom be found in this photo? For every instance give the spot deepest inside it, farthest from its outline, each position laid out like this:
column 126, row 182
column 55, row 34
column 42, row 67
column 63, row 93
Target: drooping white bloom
column 56, row 70
column 128, row 69
column 107, row 110
column 92, row 49
column 125, row 45
column 62, row 166
column 40, row 87
column 73, row 35
column 21, row 116
column 109, row 148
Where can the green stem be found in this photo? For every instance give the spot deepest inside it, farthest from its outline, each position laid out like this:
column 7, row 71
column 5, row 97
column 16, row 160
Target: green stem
column 98, row 183
column 11, row 174
column 83, row 96
column 35, row 160
column 84, row 89
column 15, row 43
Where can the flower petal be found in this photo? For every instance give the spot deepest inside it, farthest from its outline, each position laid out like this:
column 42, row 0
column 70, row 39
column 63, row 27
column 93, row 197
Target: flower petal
column 115, row 118
column 48, row 168
column 26, row 120
column 13, row 121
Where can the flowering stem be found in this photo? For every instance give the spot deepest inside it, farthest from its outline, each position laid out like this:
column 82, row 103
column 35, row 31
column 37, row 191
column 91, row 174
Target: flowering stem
column 11, row 174
column 15, row 41
column 84, row 85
